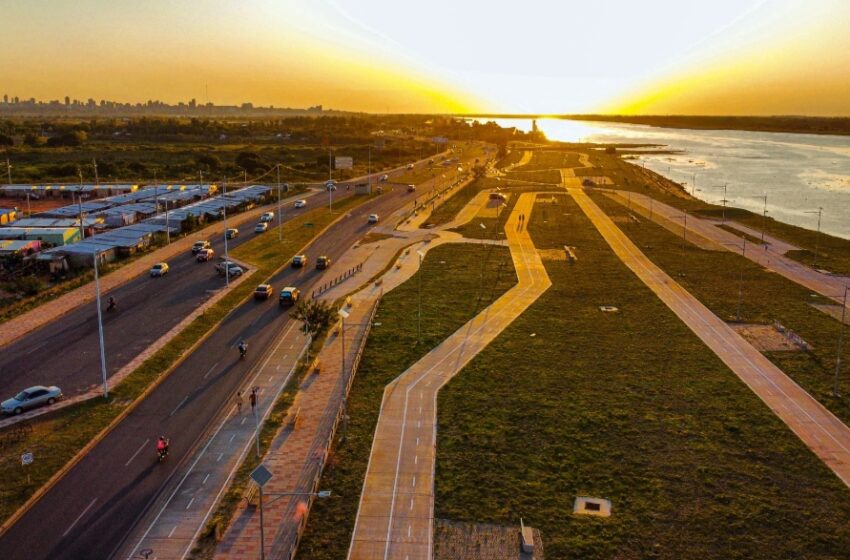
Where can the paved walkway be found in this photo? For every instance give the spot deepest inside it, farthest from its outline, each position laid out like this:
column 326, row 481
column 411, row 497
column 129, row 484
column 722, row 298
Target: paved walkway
column 826, row 435
column 43, row 314
column 298, row 453
column 176, row 520
column 767, row 256
column 394, row 519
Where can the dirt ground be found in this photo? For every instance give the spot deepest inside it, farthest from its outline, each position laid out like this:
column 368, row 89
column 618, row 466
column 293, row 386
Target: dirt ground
column 765, row 338
column 39, row 205
column 454, row 540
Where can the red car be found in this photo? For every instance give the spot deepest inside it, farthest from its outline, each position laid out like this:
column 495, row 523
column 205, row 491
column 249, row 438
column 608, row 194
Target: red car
column 205, row 255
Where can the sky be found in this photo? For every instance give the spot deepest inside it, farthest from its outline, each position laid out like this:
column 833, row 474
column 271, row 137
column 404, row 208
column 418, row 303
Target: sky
column 729, row 57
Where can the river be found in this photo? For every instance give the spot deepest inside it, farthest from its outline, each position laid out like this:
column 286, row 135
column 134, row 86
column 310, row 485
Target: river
column 799, row 173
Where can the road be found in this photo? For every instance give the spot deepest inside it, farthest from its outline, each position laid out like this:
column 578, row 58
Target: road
column 91, row 510
column 66, row 352
column 395, row 515
column 827, row 436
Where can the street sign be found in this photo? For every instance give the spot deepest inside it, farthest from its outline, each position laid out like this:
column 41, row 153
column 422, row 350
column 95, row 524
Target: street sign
column 343, row 162
column 27, row 458
column 261, row 475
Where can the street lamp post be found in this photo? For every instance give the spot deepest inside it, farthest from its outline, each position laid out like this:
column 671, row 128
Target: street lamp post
column 224, row 219
column 100, row 327
column 835, row 392
column 80, row 204
column 279, row 208
column 419, row 300
column 764, row 220
column 724, row 201
column 819, row 212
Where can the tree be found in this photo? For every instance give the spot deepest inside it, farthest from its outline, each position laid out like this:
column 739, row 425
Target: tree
column 75, row 138
column 250, row 162
column 34, row 140
column 317, row 315
column 211, row 162
column 6, row 140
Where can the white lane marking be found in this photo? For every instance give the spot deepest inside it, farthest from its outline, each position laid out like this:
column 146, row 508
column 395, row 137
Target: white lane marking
column 418, row 424
column 220, row 455
column 190, row 503
column 210, row 370
column 34, row 348
column 186, row 398
column 414, row 481
column 417, row 441
column 231, row 437
column 411, row 503
column 172, row 531
column 205, row 479
column 409, row 529
column 243, row 420
column 77, row 520
column 270, row 378
column 137, row 452
column 416, row 460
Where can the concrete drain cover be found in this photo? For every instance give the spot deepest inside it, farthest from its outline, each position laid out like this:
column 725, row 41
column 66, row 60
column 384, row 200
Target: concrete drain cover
column 585, row 505
column 608, row 309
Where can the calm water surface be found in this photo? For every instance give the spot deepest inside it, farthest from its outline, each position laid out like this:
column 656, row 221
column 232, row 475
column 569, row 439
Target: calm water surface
column 798, row 173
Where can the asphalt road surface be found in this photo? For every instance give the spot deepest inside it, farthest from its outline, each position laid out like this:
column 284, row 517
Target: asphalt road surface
column 92, row 509
column 66, row 352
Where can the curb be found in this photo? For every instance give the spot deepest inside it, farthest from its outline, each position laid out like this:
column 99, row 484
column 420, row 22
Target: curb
column 58, row 475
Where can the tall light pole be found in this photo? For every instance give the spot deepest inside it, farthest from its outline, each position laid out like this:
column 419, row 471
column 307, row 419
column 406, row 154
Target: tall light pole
column 724, row 201
column 100, row 327
column 224, row 216
column 279, row 208
column 419, row 300
column 764, row 219
column 835, row 392
column 96, row 177
column 80, row 204
column 819, row 212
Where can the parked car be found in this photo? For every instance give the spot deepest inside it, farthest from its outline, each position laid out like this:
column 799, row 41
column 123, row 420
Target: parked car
column 231, row 233
column 379, row 189
column 373, row 218
column 200, row 246
column 498, row 196
column 411, row 188
column 289, row 296
column 267, row 217
column 301, row 203
column 230, row 268
column 384, row 178
column 31, row 398
column 159, row 269
column 410, row 166
column 323, row 262
column 299, row 261
column 261, row 227
column 205, row 255
column 263, row 291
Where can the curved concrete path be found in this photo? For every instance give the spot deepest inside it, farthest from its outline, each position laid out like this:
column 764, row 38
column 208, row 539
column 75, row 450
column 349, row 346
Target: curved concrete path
column 395, row 516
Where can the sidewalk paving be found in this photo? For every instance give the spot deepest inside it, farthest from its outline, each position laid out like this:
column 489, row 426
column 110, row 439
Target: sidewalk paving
column 47, row 312
column 175, row 521
column 395, row 514
column 827, row 436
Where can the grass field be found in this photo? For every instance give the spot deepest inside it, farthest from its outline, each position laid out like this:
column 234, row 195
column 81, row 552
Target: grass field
column 390, row 350
column 551, row 159
column 632, row 407
column 714, row 278
column 539, row 176
column 55, row 438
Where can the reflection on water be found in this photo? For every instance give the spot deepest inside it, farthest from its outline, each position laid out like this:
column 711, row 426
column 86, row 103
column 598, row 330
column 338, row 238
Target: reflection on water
column 798, row 172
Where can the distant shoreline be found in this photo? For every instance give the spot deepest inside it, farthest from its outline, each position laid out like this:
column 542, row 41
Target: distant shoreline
column 836, row 126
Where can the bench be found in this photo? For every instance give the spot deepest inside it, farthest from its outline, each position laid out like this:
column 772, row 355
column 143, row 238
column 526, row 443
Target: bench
column 252, row 495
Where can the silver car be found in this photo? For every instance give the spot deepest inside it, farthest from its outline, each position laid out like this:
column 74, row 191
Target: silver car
column 31, row 398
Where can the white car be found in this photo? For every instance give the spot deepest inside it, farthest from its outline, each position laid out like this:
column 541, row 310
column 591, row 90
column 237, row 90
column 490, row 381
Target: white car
column 159, row 269
column 267, row 217
column 261, row 227
column 373, row 218
column 300, row 203
column 384, row 178
column 410, row 166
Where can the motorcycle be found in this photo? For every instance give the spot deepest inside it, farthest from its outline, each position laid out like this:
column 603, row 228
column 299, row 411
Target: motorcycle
column 162, row 454
column 112, row 305
column 243, row 349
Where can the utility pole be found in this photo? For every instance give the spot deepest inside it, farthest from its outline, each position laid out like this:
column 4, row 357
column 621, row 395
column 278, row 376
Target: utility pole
column 279, row 208
column 764, row 220
column 96, row 178
column 224, row 215
column 100, row 328
column 80, row 204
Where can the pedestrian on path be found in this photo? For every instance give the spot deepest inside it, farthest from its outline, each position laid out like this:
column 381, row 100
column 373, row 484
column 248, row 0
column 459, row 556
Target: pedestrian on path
column 239, row 402
column 253, row 399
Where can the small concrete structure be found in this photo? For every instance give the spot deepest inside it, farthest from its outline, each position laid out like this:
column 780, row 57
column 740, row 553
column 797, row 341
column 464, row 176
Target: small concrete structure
column 526, row 538
column 585, row 505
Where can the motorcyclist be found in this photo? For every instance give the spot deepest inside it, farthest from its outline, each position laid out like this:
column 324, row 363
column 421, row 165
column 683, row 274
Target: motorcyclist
column 162, row 447
column 111, row 303
column 243, row 348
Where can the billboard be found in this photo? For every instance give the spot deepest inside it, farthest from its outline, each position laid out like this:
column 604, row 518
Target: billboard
column 343, row 162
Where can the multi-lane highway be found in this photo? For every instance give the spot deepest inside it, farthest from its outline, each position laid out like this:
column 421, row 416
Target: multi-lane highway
column 91, row 510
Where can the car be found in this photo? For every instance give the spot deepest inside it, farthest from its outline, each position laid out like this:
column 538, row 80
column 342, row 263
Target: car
column 384, row 178
column 231, row 233
column 205, row 255
column 263, row 291
column 410, row 166
column 411, row 188
column 199, row 246
column 299, row 260
column 373, row 218
column 330, row 187
column 31, row 398
column 261, row 227
column 267, row 217
column 289, row 296
column 323, row 262
column 301, row 203
column 498, row 196
column 159, row 269
column 230, row 268
column 379, row 189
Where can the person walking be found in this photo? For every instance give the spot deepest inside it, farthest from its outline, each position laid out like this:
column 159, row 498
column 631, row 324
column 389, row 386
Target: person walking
column 253, row 399
column 239, row 402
